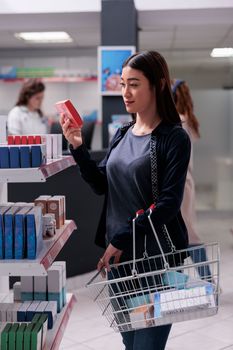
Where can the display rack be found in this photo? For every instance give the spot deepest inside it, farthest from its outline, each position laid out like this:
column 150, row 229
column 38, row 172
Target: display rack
column 54, row 336
column 51, row 247
column 54, row 79
column 4, row 282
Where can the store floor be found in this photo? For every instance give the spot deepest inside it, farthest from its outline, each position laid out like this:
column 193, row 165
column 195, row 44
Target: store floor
column 87, row 329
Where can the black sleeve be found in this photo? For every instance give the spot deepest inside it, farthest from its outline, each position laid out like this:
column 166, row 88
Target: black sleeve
column 174, row 176
column 94, row 175
column 123, row 239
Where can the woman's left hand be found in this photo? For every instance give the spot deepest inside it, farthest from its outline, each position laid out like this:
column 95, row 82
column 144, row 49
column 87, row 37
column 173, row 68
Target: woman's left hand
column 110, row 252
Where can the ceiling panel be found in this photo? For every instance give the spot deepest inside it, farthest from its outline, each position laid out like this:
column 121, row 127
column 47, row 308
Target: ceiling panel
column 88, row 39
column 84, row 28
column 186, row 37
column 160, row 40
column 172, row 5
column 185, row 17
column 191, row 35
column 194, row 43
column 202, row 32
column 55, row 21
column 212, row 29
column 227, row 41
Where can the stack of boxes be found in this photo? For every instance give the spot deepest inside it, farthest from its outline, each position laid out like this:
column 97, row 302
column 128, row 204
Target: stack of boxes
column 62, row 266
column 57, row 284
column 181, row 294
column 22, row 226
column 21, row 231
column 44, row 288
column 30, row 151
column 53, row 143
column 24, row 336
column 37, row 300
column 27, row 288
column 39, row 288
column 24, row 139
column 28, row 310
column 19, row 156
column 53, row 205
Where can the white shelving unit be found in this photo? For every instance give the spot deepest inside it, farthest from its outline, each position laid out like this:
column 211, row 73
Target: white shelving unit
column 54, row 335
column 51, row 247
column 52, row 167
column 4, row 283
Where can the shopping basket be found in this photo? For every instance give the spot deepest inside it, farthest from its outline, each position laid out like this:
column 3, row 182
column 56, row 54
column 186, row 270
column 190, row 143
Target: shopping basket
column 159, row 290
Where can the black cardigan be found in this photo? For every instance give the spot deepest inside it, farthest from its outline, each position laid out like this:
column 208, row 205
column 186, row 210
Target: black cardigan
column 170, row 145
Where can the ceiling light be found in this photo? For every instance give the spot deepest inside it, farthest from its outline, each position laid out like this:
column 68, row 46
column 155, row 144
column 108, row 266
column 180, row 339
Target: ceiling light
column 222, row 52
column 45, row 37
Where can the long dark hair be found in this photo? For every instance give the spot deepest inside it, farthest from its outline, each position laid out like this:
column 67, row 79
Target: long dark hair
column 155, row 69
column 30, row 88
column 184, row 104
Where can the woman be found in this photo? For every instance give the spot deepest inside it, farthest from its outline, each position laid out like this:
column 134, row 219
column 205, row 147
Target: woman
column 146, row 163
column 184, row 105
column 26, row 117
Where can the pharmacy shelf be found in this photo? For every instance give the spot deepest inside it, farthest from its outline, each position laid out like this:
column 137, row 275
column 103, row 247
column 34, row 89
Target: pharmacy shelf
column 39, row 266
column 54, row 336
column 69, row 79
column 54, row 79
column 52, row 167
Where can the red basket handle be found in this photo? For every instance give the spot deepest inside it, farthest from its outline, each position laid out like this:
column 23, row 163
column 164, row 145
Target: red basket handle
column 152, row 206
column 139, row 212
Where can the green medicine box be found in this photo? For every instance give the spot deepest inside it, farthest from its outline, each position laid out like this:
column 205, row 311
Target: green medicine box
column 5, row 337
column 20, row 335
column 36, row 337
column 12, row 336
column 27, row 336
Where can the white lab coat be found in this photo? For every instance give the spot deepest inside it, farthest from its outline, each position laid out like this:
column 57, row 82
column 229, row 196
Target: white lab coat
column 22, row 121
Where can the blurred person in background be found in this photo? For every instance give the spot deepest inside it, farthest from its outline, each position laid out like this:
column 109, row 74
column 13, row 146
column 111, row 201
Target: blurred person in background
column 26, row 117
column 184, row 106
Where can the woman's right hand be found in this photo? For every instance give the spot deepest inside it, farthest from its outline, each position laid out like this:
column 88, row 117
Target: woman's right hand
column 73, row 134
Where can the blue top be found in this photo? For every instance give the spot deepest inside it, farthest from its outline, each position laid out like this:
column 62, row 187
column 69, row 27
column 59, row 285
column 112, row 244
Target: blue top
column 129, row 181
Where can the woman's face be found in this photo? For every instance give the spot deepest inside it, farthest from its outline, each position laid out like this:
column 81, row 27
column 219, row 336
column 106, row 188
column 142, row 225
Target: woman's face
column 35, row 101
column 138, row 95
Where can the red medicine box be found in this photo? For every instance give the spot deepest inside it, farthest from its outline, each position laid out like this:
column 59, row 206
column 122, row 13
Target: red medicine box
column 38, row 139
column 17, row 140
column 31, row 139
column 11, row 140
column 66, row 107
column 24, row 140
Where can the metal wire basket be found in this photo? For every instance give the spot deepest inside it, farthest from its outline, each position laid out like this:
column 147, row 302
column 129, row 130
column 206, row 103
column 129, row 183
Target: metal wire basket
column 158, row 290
